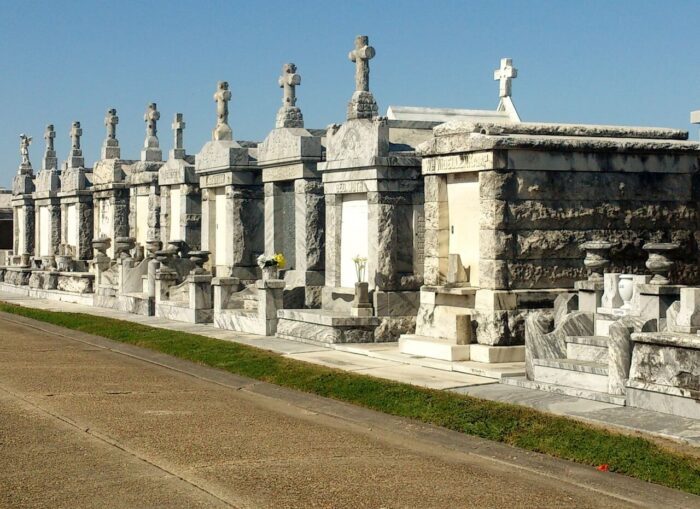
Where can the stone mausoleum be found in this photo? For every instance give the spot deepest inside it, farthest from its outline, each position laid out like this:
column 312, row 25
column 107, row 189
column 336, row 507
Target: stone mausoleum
column 464, row 236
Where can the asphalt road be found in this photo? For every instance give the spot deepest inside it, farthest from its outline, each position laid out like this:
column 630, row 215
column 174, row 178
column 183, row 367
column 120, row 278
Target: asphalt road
column 85, row 422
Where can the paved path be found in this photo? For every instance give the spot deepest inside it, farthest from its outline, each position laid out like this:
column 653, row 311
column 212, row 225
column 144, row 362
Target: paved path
column 384, row 361
column 86, row 422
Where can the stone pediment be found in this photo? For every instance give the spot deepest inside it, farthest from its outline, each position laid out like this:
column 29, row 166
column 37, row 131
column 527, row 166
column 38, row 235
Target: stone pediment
column 288, row 145
column 108, row 171
column 219, row 155
column 176, row 171
column 73, row 179
column 358, row 139
column 22, row 184
column 47, row 181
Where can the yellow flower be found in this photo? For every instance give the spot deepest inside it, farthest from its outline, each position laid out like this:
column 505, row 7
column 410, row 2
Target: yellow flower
column 279, row 258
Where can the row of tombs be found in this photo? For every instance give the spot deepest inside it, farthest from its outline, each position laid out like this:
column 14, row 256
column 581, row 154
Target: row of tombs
column 465, row 235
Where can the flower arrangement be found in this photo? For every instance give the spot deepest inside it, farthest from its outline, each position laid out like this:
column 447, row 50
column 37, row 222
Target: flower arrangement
column 277, row 260
column 360, row 267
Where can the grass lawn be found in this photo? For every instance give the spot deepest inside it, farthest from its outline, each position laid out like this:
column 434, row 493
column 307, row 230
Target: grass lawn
column 511, row 424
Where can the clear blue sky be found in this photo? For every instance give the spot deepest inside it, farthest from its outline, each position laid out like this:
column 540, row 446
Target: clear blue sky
column 624, row 62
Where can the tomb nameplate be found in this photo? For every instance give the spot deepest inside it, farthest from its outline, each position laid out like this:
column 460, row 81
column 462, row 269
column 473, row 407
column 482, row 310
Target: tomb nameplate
column 347, row 187
column 460, row 163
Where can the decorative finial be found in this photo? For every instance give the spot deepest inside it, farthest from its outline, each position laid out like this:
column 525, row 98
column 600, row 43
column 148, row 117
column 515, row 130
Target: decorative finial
column 24, row 142
column 75, row 158
column 50, row 162
column 178, row 151
column 505, row 74
column 151, row 147
column 362, row 104
column 222, row 131
column 289, row 115
column 110, row 147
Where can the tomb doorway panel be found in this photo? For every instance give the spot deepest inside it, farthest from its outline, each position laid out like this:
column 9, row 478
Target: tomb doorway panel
column 354, row 235
column 463, row 219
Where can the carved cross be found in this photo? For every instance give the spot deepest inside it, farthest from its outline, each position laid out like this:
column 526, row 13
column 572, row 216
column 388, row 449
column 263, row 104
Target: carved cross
column 361, row 55
column 75, row 133
column 288, row 81
column 178, row 127
column 151, row 118
column 111, row 121
column 505, row 74
column 222, row 97
column 49, row 135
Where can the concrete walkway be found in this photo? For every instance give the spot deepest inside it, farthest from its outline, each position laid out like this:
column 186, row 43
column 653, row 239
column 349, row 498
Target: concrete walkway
column 384, row 361
column 88, row 422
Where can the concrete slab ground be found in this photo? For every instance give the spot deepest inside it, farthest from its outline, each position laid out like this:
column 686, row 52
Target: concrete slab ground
column 88, row 422
column 468, row 377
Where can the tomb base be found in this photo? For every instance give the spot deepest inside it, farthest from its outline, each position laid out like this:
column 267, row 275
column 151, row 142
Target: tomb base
column 326, row 326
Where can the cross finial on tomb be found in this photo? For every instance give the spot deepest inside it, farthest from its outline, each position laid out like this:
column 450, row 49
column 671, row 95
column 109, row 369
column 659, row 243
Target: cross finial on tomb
column 178, row 151
column 151, row 147
column 361, row 55
column 505, row 74
column 24, row 142
column 111, row 121
column 288, row 82
column 289, row 115
column 49, row 135
column 222, row 96
column 75, row 133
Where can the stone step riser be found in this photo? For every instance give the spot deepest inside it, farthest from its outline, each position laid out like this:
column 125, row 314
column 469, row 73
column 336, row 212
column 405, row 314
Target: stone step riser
column 569, row 378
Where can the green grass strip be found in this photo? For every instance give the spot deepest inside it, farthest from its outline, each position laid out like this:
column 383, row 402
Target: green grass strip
column 511, row 424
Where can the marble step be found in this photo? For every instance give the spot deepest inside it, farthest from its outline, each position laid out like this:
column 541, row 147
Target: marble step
column 433, row 348
column 604, row 397
column 587, row 348
column 581, row 374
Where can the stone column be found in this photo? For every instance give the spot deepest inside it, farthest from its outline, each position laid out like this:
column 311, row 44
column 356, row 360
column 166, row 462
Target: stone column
column 436, row 230
column 333, row 226
column 55, row 221
column 272, row 216
column 85, row 229
column 165, row 219
column 153, row 220
column 64, row 223
column 309, row 224
column 191, row 208
column 206, row 220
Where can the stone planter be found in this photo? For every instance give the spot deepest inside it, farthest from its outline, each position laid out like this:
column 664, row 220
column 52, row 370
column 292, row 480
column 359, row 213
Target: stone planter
column 597, row 258
column 152, row 246
column 626, row 289
column 48, row 262
column 660, row 262
column 360, row 302
column 101, row 245
column 270, row 272
column 199, row 258
column 64, row 263
column 123, row 246
column 180, row 247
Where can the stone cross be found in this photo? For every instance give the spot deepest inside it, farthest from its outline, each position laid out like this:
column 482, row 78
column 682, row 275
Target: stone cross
column 222, row 96
column 49, row 136
column 505, row 74
column 361, row 55
column 75, row 133
column 24, row 142
column 111, row 121
column 151, row 118
column 178, row 151
column 288, row 81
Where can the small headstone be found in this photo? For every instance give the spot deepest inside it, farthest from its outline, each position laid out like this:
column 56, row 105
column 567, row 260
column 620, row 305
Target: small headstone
column 456, row 273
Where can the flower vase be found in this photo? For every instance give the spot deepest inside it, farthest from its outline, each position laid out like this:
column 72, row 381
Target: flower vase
column 269, row 272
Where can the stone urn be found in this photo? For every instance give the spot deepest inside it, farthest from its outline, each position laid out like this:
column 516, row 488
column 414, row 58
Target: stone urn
column 25, row 259
column 101, row 245
column 152, row 246
column 48, row 262
column 123, row 246
column 659, row 262
column 626, row 288
column 64, row 263
column 180, row 247
column 597, row 258
column 164, row 256
column 199, row 258
column 360, row 302
column 270, row 272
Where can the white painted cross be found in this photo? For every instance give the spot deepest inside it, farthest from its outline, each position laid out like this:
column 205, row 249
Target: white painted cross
column 361, row 55
column 288, row 82
column 505, row 74
column 75, row 133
